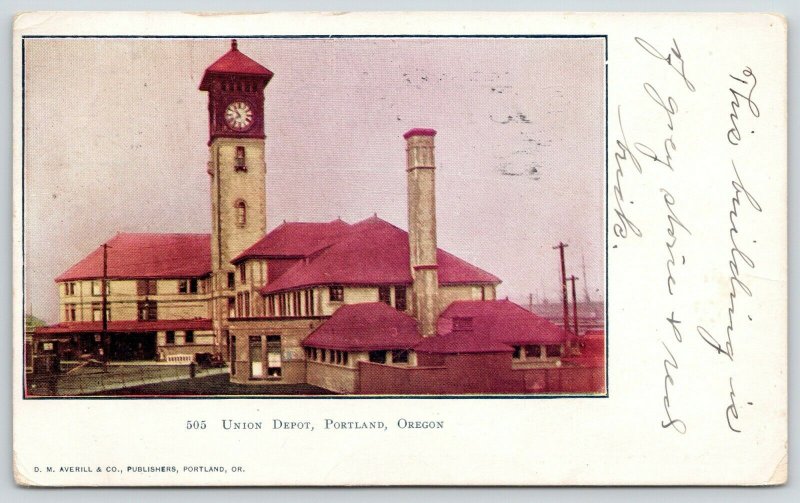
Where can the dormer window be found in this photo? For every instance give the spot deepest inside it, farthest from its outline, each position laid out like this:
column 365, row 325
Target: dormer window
column 240, row 161
column 336, row 293
column 241, row 213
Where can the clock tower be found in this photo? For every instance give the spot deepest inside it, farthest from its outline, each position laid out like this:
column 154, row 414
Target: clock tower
column 237, row 170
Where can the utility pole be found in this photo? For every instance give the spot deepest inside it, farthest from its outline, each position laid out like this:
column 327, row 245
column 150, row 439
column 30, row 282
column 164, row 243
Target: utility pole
column 104, row 288
column 585, row 282
column 561, row 247
column 530, row 302
column 573, row 279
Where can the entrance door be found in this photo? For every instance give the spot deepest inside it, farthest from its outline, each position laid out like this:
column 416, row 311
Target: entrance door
column 256, row 357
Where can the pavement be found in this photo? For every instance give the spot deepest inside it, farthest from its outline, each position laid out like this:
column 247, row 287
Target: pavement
column 97, row 380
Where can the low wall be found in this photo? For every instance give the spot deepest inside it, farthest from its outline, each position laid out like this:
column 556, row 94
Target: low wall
column 332, row 377
column 578, row 380
column 378, row 379
column 462, row 374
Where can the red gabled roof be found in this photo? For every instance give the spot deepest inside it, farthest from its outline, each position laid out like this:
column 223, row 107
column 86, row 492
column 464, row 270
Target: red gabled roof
column 372, row 252
column 295, row 240
column 454, row 343
column 503, row 321
column 365, row 327
column 125, row 326
column 147, row 256
column 234, row 62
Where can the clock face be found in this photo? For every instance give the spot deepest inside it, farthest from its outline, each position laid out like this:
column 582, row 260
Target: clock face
column 239, row 116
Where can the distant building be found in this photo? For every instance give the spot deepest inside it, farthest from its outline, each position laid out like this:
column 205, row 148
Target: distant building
column 355, row 308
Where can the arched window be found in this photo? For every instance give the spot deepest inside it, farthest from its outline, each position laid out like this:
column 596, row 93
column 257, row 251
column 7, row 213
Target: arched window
column 241, row 213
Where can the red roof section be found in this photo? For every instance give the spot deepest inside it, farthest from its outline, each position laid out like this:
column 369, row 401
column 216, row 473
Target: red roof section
column 125, row 326
column 372, row 252
column 235, row 62
column 418, row 131
column 365, row 327
column 296, row 239
column 133, row 255
column 461, row 343
column 503, row 321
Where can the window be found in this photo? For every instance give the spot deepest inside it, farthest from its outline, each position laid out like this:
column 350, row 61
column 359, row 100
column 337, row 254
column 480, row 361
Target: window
column 385, row 295
column 189, row 337
column 297, row 306
column 242, row 273
column 273, row 355
column 310, row 302
column 240, row 164
column 553, row 350
column 532, row 351
column 246, row 304
column 400, row 356
column 400, row 298
column 146, row 287
column 241, row 213
column 187, row 286
column 256, row 364
column 69, row 312
column 170, row 337
column 147, row 310
column 344, row 358
column 336, row 293
column 97, row 311
column 69, row 289
column 462, row 324
column 231, row 281
column 231, row 307
column 377, row 356
column 517, row 353
column 483, row 293
column 97, row 289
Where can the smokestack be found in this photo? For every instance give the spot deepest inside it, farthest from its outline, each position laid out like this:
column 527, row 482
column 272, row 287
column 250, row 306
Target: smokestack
column 420, row 168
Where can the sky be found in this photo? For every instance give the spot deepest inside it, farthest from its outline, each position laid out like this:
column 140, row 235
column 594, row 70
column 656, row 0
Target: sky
column 116, row 135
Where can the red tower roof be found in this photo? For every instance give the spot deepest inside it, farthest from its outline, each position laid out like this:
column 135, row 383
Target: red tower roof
column 234, row 62
column 419, row 131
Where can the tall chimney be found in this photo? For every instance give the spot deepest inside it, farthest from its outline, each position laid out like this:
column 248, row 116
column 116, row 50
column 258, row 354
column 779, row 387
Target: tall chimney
column 420, row 168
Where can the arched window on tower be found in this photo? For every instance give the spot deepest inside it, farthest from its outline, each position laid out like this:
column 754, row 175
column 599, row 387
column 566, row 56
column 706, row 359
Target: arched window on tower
column 241, row 213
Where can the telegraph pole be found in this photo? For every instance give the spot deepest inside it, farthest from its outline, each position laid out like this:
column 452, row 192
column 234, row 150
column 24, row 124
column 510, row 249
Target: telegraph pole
column 585, row 282
column 561, row 247
column 573, row 279
column 104, row 287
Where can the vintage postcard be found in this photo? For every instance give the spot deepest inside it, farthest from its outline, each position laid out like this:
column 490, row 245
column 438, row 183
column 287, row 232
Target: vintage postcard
column 306, row 249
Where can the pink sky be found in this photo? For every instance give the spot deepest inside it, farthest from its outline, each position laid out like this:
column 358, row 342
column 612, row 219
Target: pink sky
column 116, row 132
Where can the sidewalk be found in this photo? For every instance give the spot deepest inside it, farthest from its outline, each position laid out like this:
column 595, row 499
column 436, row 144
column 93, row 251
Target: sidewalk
column 94, row 380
